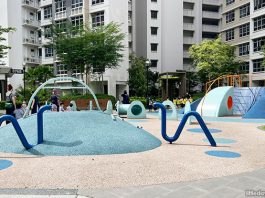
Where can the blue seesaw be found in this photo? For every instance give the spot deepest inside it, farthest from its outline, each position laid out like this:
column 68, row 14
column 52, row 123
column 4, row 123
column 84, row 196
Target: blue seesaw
column 182, row 124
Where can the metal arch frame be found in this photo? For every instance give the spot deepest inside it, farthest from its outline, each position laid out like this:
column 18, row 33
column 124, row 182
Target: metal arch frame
column 182, row 124
column 53, row 80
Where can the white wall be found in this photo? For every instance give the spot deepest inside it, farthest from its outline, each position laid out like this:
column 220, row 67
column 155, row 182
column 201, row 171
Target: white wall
column 172, row 35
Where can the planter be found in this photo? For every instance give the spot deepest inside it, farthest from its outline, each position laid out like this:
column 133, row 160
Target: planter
column 83, row 104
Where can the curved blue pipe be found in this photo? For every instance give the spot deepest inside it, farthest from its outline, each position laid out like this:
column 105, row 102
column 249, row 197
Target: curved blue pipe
column 182, row 124
column 40, row 122
column 17, row 129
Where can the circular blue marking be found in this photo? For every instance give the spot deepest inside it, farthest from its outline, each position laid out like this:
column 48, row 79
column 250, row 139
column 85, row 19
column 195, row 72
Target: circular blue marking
column 5, row 164
column 223, row 154
column 199, row 130
column 222, row 140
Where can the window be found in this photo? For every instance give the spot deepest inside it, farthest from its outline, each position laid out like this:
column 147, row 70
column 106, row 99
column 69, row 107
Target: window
column 77, row 21
column 47, row 32
column 77, row 3
column 154, row 30
column 243, row 49
column 97, row 18
column 130, row 45
column 61, row 25
column 155, row 1
column 61, row 69
column 230, row 16
column 48, row 12
column 259, row 23
column 259, row 4
column 230, row 34
column 154, row 14
column 257, row 65
column 48, row 52
column 32, row 52
column 244, row 68
column 153, row 63
column 94, row 2
column 244, row 10
column 154, row 47
column 130, row 29
column 244, row 30
column 258, row 43
column 228, row 2
column 40, row 52
column 60, row 5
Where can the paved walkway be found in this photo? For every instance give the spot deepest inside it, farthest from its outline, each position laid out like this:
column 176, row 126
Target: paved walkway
column 251, row 184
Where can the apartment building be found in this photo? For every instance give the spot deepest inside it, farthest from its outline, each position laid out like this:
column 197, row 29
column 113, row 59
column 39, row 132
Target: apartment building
column 164, row 31
column 243, row 25
column 33, row 19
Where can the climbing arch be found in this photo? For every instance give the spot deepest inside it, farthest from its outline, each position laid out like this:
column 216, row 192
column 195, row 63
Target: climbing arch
column 47, row 85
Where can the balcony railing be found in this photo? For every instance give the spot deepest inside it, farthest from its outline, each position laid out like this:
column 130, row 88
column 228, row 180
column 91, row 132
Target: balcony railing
column 60, row 15
column 188, row 12
column 186, row 54
column 32, row 60
column 188, row 26
column 210, row 28
column 77, row 11
column 211, row 15
column 30, row 3
column 212, row 2
column 188, row 40
column 31, row 22
column 31, row 41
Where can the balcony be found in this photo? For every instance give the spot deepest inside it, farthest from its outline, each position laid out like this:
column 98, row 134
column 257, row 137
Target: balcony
column 44, row 3
column 211, row 15
column 31, row 41
column 188, row 40
column 30, row 4
column 210, row 28
column 60, row 15
column 188, row 12
column 31, row 23
column 186, row 54
column 211, row 2
column 77, row 11
column 32, row 60
column 188, row 26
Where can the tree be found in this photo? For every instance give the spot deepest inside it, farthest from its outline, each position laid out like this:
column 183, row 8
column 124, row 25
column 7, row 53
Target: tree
column 3, row 48
column 37, row 75
column 137, row 76
column 213, row 58
column 99, row 48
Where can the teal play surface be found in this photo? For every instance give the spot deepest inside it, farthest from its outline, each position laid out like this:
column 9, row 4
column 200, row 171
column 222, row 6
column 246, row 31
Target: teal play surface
column 78, row 133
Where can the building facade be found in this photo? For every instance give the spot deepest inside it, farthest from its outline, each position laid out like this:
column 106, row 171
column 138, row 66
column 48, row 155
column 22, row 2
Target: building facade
column 243, row 25
column 33, row 20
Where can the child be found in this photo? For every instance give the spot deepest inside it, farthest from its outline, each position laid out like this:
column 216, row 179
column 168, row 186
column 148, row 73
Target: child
column 21, row 108
column 61, row 107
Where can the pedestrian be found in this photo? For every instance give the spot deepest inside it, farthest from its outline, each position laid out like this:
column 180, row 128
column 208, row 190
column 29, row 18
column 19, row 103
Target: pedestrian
column 55, row 100
column 35, row 105
column 10, row 104
column 125, row 98
column 20, row 110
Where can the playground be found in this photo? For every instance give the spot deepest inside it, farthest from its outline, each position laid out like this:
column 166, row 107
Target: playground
column 99, row 150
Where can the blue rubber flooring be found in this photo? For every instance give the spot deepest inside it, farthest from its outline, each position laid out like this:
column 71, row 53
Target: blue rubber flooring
column 78, row 133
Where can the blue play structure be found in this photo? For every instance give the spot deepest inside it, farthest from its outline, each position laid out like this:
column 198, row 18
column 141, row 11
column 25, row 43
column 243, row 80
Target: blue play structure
column 19, row 131
column 182, row 124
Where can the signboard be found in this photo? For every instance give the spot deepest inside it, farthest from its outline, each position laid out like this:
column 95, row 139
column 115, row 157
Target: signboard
column 17, row 71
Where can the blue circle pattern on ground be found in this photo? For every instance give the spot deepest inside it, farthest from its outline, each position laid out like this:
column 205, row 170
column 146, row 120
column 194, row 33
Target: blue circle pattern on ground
column 5, row 164
column 223, row 154
column 199, row 130
column 78, row 133
column 221, row 140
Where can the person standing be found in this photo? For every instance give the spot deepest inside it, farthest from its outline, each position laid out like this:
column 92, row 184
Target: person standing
column 35, row 105
column 125, row 98
column 10, row 101
column 55, row 100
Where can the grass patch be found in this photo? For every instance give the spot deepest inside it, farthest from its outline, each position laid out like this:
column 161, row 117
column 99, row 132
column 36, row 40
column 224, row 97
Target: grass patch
column 261, row 128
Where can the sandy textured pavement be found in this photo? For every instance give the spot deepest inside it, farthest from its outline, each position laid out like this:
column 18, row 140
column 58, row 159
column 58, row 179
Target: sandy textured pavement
column 184, row 160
